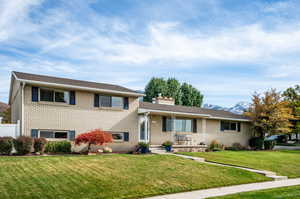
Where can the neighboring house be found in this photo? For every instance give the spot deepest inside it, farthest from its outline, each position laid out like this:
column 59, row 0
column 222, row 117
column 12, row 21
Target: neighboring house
column 58, row 108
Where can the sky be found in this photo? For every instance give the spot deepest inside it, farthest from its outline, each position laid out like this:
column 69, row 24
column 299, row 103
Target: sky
column 228, row 49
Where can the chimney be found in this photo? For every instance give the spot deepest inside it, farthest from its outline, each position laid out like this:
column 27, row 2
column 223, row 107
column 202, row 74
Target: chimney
column 163, row 100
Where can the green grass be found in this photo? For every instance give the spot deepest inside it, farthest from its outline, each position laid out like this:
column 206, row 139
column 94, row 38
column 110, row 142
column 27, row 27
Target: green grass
column 111, row 176
column 277, row 193
column 285, row 163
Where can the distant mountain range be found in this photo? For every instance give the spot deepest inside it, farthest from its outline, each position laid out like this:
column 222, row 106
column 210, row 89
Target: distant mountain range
column 239, row 108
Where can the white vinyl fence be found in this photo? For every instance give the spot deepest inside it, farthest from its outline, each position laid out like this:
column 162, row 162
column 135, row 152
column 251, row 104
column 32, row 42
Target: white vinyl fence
column 11, row 130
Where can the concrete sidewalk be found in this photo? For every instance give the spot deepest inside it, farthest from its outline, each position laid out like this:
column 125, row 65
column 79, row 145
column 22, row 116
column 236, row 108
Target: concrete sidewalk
column 230, row 190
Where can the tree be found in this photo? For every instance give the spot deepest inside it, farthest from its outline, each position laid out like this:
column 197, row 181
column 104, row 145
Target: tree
column 6, row 116
column 155, row 87
column 191, row 96
column 173, row 90
column 270, row 114
column 95, row 137
column 292, row 96
column 184, row 94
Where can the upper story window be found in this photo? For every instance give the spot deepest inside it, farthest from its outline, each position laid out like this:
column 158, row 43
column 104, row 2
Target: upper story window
column 180, row 124
column 53, row 95
column 111, row 101
column 49, row 95
column 230, row 126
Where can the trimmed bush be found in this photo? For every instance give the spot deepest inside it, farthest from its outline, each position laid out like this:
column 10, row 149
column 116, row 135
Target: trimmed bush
column 58, row 147
column 39, row 144
column 6, row 145
column 269, row 144
column 256, row 143
column 23, row 145
column 216, row 146
column 143, row 147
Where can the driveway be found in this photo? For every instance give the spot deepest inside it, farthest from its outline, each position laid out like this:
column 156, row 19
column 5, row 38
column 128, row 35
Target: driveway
column 287, row 148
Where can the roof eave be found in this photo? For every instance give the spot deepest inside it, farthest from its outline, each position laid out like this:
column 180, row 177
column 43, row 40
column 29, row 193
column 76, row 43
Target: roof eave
column 208, row 116
column 80, row 87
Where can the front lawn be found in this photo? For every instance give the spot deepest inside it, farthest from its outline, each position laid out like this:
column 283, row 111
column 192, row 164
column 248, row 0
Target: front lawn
column 111, row 176
column 284, row 193
column 286, row 163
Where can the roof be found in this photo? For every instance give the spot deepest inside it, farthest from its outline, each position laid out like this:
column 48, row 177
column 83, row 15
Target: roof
column 33, row 78
column 210, row 113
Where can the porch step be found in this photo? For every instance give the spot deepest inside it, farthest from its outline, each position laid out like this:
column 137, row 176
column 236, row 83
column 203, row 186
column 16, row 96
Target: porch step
column 157, row 149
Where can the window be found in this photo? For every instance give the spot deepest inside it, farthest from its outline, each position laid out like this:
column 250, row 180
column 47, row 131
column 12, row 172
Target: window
column 46, row 95
column 49, row 95
column 118, row 136
column 230, row 126
column 111, row 101
column 181, row 125
column 54, row 134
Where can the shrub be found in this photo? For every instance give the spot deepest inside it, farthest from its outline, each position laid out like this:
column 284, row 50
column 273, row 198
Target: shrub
column 39, row 144
column 256, row 143
column 269, row 144
column 143, row 147
column 167, row 144
column 6, row 145
column 235, row 147
column 96, row 137
column 58, row 147
column 23, row 145
column 216, row 146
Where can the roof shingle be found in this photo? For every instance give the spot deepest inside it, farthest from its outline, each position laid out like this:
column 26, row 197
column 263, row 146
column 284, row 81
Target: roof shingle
column 65, row 81
column 192, row 110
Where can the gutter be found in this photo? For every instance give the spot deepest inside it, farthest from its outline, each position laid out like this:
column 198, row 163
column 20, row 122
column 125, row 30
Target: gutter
column 142, row 110
column 79, row 87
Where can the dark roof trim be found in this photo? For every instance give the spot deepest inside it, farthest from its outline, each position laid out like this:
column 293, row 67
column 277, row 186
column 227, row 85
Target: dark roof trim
column 191, row 111
column 74, row 84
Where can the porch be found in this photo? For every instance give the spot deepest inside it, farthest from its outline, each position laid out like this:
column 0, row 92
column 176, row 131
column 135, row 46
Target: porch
column 186, row 131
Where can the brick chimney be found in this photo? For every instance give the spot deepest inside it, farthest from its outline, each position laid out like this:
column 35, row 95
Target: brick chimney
column 163, row 100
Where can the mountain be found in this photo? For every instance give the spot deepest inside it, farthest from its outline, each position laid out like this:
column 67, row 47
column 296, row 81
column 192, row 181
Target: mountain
column 239, row 108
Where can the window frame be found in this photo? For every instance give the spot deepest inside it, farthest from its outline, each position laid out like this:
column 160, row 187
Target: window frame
column 54, row 91
column 236, row 129
column 111, row 101
column 171, row 121
column 53, row 132
column 120, row 133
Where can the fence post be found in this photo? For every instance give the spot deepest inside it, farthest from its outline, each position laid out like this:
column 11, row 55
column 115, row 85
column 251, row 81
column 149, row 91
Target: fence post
column 17, row 129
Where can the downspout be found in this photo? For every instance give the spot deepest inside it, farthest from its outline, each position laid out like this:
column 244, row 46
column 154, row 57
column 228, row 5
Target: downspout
column 22, row 108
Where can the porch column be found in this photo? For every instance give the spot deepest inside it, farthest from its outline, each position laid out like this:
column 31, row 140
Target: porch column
column 203, row 129
column 147, row 129
column 173, row 128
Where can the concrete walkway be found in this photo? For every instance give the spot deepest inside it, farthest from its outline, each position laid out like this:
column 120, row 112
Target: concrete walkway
column 269, row 174
column 230, row 190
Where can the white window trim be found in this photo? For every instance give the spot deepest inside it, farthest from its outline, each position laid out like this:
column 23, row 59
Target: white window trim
column 54, row 90
column 236, row 126
column 54, row 131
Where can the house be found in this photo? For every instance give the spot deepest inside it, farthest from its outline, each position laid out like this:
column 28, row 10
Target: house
column 59, row 108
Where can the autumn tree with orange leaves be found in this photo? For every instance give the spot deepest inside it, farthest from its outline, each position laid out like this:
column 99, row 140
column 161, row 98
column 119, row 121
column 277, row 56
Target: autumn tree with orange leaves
column 94, row 137
column 270, row 114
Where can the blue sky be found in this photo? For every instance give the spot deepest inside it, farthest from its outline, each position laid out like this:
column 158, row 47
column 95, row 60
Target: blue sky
column 228, row 49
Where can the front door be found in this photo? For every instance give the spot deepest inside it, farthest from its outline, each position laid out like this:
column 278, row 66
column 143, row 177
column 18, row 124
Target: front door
column 143, row 129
